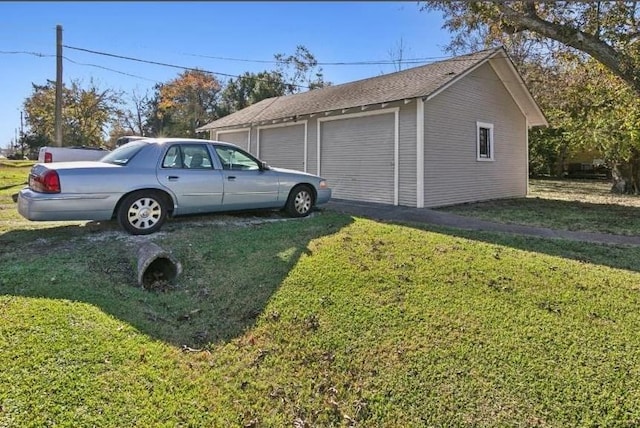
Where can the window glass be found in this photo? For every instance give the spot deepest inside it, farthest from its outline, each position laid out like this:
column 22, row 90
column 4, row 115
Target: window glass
column 485, row 146
column 173, row 158
column 234, row 159
column 123, row 154
column 190, row 156
column 196, row 156
column 484, row 141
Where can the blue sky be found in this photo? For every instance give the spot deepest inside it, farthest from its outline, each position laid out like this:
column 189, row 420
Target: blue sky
column 183, row 33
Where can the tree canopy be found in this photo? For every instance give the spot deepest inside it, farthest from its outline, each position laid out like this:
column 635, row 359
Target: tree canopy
column 608, row 31
column 86, row 113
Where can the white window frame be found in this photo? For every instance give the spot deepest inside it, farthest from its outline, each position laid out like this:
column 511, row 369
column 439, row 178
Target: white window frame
column 488, row 126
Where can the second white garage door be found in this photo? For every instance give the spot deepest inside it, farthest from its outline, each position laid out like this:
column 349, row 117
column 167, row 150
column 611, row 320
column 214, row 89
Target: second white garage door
column 240, row 138
column 283, row 146
column 357, row 157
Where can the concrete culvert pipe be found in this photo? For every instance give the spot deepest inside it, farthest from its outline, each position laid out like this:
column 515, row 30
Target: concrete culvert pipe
column 157, row 268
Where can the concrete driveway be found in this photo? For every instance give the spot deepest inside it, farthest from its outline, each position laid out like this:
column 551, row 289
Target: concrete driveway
column 440, row 218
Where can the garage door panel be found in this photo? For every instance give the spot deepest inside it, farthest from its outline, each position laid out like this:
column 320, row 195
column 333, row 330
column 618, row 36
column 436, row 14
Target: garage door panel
column 357, row 157
column 283, row 147
column 240, row 138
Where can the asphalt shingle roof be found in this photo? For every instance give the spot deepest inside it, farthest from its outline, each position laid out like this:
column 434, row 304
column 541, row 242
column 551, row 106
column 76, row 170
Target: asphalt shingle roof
column 406, row 84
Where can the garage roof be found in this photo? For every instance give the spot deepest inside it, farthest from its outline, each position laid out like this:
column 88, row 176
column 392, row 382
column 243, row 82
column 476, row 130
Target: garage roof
column 419, row 82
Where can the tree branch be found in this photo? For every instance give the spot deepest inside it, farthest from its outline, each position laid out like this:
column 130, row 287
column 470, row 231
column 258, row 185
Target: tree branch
column 619, row 64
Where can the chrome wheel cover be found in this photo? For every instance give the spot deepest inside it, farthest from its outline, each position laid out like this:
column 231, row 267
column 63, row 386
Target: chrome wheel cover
column 302, row 202
column 144, row 213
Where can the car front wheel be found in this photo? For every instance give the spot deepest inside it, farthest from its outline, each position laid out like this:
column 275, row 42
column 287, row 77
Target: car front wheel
column 300, row 201
column 142, row 213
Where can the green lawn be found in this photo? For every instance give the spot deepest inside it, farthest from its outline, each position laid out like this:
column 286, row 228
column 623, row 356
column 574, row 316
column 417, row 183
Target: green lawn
column 586, row 205
column 324, row 321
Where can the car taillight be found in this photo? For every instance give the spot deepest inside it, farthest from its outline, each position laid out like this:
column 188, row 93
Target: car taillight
column 48, row 157
column 47, row 182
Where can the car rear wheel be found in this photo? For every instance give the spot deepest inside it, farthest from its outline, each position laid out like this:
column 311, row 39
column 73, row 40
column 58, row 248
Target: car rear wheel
column 142, row 213
column 300, row 201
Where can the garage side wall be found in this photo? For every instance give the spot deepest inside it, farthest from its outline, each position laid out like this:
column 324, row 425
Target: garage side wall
column 452, row 173
column 407, row 155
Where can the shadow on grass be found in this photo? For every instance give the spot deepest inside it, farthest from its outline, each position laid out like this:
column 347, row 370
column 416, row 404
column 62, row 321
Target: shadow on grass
column 560, row 214
column 614, row 256
column 232, row 266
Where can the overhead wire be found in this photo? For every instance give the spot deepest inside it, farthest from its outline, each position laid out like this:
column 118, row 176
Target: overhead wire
column 38, row 54
column 164, row 64
column 110, row 69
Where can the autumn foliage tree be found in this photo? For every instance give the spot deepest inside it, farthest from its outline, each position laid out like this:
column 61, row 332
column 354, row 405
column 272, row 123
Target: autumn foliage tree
column 183, row 104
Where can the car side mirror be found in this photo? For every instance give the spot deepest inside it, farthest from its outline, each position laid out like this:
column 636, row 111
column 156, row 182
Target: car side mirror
column 264, row 166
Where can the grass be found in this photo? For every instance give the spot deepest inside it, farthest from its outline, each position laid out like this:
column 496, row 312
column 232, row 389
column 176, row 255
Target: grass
column 325, row 321
column 586, row 205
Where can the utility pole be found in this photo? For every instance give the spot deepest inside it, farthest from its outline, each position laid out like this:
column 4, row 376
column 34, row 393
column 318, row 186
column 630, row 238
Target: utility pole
column 58, row 116
column 21, row 136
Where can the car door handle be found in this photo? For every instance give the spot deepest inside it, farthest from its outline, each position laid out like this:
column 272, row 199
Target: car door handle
column 172, row 177
column 231, row 177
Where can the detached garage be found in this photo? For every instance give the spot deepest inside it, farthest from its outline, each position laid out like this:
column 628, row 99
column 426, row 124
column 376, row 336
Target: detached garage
column 449, row 132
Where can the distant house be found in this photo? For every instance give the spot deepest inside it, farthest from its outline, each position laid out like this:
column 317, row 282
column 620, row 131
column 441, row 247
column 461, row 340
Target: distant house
column 445, row 133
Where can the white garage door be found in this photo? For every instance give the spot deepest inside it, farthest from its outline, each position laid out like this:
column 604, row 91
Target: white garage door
column 283, row 146
column 239, row 138
column 357, row 157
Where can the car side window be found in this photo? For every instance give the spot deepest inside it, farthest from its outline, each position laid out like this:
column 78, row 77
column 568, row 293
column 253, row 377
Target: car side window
column 196, row 156
column 188, row 156
column 173, row 158
column 236, row 160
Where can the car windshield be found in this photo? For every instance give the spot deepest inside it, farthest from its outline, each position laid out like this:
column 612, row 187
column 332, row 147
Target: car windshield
column 123, row 154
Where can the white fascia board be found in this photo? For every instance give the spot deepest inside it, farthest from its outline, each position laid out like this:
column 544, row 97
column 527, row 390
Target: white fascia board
column 455, row 80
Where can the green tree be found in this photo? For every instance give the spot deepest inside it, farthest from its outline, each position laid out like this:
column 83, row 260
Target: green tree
column 300, row 70
column 249, row 88
column 86, row 113
column 293, row 74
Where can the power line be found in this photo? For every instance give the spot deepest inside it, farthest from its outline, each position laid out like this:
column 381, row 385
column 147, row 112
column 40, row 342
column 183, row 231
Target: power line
column 38, row 54
column 423, row 60
column 164, row 64
column 109, row 69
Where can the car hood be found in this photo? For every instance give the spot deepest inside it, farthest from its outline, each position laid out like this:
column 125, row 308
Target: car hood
column 293, row 171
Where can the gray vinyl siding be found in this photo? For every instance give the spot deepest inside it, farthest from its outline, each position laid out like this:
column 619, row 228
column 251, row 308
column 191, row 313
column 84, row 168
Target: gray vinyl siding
column 283, row 146
column 239, row 138
column 407, row 155
column 312, row 146
column 357, row 157
column 452, row 173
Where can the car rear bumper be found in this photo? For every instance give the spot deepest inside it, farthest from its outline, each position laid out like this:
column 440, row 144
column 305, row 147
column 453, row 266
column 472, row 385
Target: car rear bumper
column 53, row 207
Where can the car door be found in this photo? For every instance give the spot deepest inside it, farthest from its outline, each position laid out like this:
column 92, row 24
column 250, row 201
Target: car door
column 188, row 171
column 246, row 184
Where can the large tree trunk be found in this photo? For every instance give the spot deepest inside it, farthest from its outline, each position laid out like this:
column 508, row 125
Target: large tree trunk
column 626, row 176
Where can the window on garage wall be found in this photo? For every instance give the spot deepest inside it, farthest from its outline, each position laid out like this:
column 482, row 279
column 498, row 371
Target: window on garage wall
column 484, row 141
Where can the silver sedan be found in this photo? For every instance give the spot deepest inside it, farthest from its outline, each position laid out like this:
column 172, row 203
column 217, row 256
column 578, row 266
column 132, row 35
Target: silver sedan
column 143, row 182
